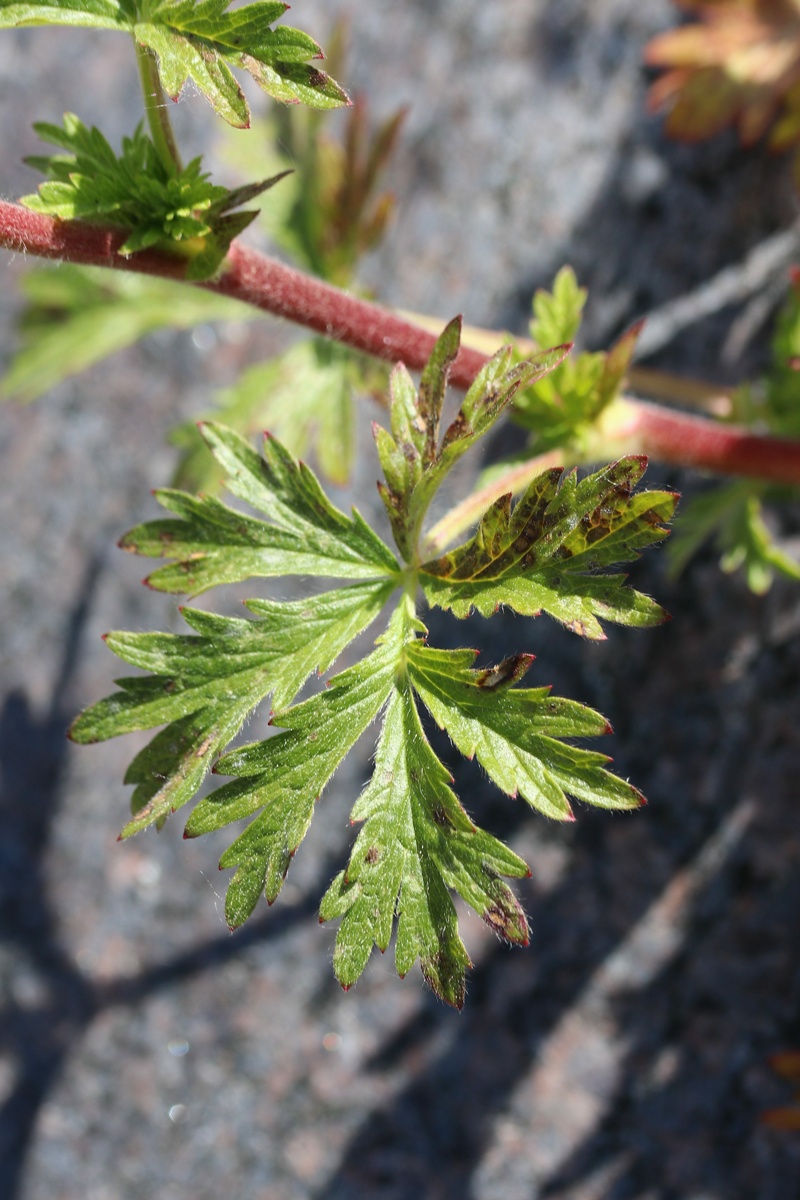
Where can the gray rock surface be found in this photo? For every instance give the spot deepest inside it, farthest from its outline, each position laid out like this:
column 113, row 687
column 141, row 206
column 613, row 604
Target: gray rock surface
column 146, row 1052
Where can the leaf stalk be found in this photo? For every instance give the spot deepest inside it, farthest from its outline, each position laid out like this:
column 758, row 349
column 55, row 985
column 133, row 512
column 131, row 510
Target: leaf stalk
column 155, row 107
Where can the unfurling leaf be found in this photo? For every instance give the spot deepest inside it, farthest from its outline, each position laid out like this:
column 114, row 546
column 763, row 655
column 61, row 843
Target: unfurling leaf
column 562, row 406
column 181, row 210
column 417, row 844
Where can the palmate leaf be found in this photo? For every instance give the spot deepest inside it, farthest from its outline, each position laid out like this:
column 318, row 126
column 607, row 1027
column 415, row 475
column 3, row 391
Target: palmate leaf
column 200, row 40
column 417, row 845
column 546, row 553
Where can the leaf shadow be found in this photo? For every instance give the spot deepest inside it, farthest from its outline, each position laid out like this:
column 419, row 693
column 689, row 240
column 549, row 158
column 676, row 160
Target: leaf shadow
column 52, row 1002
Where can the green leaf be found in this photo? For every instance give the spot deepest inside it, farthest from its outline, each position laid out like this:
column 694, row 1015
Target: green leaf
column 413, row 462
column 514, row 732
column 417, row 843
column 562, row 406
column 181, row 210
column 77, row 316
column 557, row 315
column 544, row 553
column 214, row 544
column 780, row 393
column 200, row 40
column 285, row 775
column 91, row 14
column 304, row 397
column 733, row 516
column 205, row 687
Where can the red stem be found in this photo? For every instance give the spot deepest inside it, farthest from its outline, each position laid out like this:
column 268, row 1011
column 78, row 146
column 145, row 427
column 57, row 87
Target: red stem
column 248, row 276
column 289, row 293
column 689, row 441
column 662, row 433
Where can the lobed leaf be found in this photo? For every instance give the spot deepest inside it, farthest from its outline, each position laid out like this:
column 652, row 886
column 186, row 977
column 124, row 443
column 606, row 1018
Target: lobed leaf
column 285, row 775
column 200, row 40
column 417, row 843
column 413, row 464
column 204, row 688
column 215, row 544
column 544, row 553
column 514, row 733
column 561, row 407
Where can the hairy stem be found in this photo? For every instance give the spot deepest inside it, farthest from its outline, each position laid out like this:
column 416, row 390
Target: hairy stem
column 628, row 426
column 155, row 107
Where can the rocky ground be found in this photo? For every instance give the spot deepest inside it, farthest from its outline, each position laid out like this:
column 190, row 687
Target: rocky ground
column 146, row 1052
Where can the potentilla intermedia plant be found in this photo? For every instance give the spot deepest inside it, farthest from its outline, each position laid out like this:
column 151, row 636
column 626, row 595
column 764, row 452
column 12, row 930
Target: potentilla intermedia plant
column 535, row 536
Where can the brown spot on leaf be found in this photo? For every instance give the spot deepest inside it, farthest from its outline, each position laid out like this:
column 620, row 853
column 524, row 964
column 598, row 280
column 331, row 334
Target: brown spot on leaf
column 499, row 921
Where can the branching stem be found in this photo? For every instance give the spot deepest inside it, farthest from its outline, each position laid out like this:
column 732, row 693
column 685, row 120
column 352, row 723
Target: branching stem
column 628, row 426
column 155, row 107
